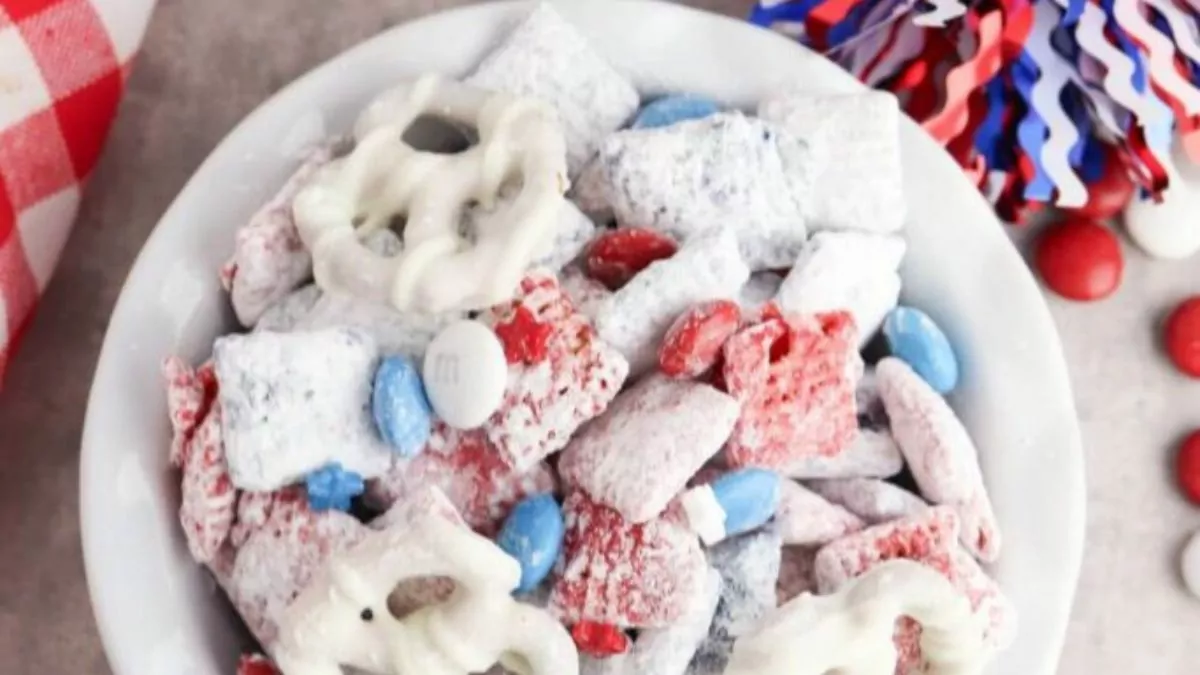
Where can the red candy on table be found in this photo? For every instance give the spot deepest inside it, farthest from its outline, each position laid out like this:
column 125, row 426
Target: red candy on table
column 1187, row 467
column 614, row 258
column 693, row 343
column 1182, row 336
column 1080, row 260
column 1108, row 196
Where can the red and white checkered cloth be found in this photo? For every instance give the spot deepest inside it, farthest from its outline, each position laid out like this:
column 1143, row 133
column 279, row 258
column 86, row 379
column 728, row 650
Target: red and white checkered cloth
column 63, row 66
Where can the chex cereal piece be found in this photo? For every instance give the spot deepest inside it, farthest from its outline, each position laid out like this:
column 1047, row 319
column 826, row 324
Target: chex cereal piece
column 806, row 518
column 547, row 58
column 872, row 454
column 190, row 393
column 255, row 509
column 855, row 139
column 853, row 271
column 572, row 233
column 616, row 256
column 208, row 499
column 873, row 500
column 797, row 573
column 590, row 297
column 693, row 343
column 269, row 260
column 277, row 561
column 758, row 290
column 470, row 471
column 287, row 313
column 548, row 399
column 795, row 378
column 684, row 422
column 589, row 192
column 749, row 569
column 940, row 453
column 615, row 572
column 295, row 402
column 665, row 651
column 727, row 170
column 708, row 267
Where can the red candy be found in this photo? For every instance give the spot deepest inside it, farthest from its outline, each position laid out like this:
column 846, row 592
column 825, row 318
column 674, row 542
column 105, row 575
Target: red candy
column 693, row 343
column 627, row 575
column 1080, row 260
column 1108, row 196
column 1183, row 336
column 525, row 339
column 256, row 664
column 599, row 640
column 795, row 378
column 1187, row 467
column 615, row 257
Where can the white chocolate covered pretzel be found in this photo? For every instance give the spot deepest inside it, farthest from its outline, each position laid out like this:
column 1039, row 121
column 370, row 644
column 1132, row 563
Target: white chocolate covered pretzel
column 383, row 178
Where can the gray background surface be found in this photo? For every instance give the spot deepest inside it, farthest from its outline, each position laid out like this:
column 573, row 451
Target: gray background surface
column 206, row 64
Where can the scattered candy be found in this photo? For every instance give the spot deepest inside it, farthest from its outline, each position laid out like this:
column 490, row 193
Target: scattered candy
column 533, row 534
column 1080, row 260
column 1187, row 467
column 693, row 343
column 1189, row 564
column 873, row 500
column 917, row 340
column 668, row 110
column 399, row 406
column 616, row 257
column 1182, row 335
column 465, row 374
column 742, row 500
column 805, row 518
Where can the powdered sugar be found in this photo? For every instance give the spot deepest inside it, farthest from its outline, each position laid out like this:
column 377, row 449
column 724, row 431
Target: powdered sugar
column 806, row 518
column 873, row 500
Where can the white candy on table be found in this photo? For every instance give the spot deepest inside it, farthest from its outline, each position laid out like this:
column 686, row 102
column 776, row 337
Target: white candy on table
column 806, row 518
column 465, row 374
column 1168, row 230
column 295, row 402
column 547, row 58
column 727, row 170
column 873, row 500
column 707, row 267
column 855, row 271
column 872, row 454
column 641, row 452
column 940, row 454
column 855, row 140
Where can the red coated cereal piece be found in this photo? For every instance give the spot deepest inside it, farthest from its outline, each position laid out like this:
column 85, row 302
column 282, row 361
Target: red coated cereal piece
column 795, row 377
column 615, row 572
column 525, row 339
column 615, row 257
column 693, row 343
column 545, row 402
column 254, row 509
column 208, row 499
column 470, row 471
column 599, row 640
column 256, row 664
column 190, row 393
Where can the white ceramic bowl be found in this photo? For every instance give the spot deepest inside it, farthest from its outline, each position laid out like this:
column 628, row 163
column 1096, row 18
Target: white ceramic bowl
column 159, row 614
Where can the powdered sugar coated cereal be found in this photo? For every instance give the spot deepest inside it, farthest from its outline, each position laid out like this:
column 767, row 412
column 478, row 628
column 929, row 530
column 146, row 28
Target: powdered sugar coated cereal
column 758, row 290
column 940, row 453
column 616, row 572
column 547, row 58
column 707, row 267
column 208, row 497
column 590, row 297
column 873, row 500
column 726, row 170
column 295, row 402
column 806, row 518
column 190, row 393
column 693, row 343
column 684, row 423
column 255, row 509
column 796, row 572
column 872, row 454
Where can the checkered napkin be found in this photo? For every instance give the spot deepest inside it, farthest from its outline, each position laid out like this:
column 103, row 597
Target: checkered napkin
column 63, row 65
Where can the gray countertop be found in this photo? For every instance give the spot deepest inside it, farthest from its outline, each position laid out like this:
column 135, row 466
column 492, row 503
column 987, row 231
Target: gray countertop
column 205, row 65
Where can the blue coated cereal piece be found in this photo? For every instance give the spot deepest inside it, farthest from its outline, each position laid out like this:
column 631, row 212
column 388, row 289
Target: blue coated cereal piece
column 914, row 338
column 332, row 487
column 668, row 110
column 748, row 497
column 401, row 410
column 533, row 535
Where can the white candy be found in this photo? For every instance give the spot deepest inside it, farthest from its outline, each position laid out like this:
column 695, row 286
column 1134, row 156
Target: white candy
column 1189, row 564
column 547, row 58
column 726, row 170
column 294, row 402
column 805, row 518
column 706, row 268
column 854, row 271
column 873, row 454
column 855, row 141
column 873, row 500
column 1168, row 230
column 465, row 374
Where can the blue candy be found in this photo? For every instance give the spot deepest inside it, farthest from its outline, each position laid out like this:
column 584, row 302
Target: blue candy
column 332, row 487
column 748, row 497
column 671, row 109
column 400, row 407
column 533, row 534
column 914, row 338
